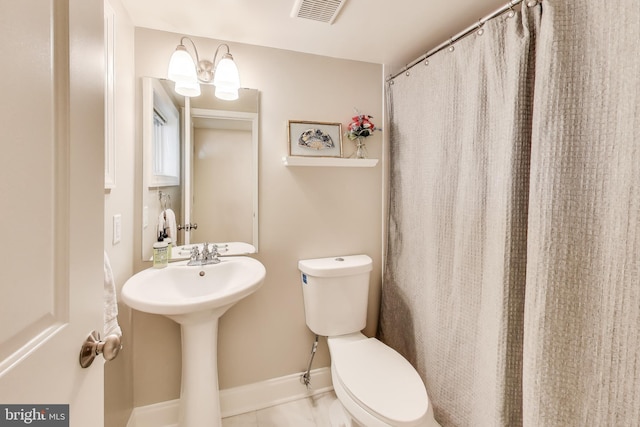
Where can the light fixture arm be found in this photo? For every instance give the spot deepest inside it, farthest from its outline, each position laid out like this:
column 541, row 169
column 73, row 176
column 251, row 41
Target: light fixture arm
column 204, row 68
column 215, row 56
column 207, row 69
column 192, row 44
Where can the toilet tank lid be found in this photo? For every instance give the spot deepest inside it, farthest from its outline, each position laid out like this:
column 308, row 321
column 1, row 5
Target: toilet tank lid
column 336, row 266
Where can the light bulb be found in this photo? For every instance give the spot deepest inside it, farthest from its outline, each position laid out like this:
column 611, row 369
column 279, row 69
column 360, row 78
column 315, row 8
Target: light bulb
column 226, row 78
column 190, row 89
column 181, row 66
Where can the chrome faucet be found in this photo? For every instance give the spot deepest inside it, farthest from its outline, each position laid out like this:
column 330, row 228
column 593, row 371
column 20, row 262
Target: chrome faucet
column 205, row 257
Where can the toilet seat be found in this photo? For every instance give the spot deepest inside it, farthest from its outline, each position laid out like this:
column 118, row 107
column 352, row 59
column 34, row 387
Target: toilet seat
column 381, row 381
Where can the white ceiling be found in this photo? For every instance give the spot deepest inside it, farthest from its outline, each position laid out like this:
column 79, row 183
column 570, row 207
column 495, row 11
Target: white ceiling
column 380, row 31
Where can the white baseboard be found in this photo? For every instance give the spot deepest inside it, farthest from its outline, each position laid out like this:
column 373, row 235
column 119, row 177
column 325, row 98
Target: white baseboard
column 162, row 414
column 239, row 400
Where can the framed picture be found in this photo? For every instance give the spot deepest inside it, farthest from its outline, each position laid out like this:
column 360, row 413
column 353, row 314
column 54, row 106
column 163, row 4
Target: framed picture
column 315, row 139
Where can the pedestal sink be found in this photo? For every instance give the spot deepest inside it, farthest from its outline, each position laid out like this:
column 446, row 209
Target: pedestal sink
column 196, row 297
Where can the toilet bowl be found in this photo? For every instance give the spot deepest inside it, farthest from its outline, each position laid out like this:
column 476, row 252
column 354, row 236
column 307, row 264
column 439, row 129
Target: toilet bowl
column 375, row 385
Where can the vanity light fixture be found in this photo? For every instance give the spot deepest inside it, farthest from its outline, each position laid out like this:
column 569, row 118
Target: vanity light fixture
column 188, row 74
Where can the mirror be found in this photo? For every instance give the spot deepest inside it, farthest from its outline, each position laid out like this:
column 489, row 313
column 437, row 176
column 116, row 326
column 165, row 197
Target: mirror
column 215, row 198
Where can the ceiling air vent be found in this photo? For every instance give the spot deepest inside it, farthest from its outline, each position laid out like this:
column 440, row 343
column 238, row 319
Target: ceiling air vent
column 318, row 10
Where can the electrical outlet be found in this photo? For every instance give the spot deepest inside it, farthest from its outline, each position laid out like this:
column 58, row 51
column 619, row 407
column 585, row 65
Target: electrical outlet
column 117, row 228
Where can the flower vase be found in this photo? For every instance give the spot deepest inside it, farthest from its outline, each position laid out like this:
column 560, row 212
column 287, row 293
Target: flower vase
column 361, row 149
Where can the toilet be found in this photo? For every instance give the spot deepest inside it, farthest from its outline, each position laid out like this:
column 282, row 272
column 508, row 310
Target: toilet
column 374, row 384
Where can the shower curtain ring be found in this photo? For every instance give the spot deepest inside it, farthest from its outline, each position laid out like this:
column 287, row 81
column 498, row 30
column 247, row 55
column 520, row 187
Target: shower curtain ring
column 406, row 70
column 451, row 47
column 479, row 29
column 512, row 12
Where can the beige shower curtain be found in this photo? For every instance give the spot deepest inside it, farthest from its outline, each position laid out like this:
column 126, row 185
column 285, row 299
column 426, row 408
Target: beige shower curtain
column 512, row 279
column 582, row 309
column 453, row 292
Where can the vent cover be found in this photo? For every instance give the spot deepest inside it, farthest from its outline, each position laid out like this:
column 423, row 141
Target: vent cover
column 318, row 10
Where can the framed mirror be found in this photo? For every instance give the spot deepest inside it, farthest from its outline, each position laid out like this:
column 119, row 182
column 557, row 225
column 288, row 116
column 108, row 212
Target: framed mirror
column 215, row 199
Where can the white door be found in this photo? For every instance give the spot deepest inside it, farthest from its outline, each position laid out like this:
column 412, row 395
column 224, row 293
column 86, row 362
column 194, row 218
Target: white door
column 51, row 205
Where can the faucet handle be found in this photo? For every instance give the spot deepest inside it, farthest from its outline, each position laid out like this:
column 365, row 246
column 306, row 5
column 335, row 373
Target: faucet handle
column 195, row 253
column 194, row 258
column 213, row 255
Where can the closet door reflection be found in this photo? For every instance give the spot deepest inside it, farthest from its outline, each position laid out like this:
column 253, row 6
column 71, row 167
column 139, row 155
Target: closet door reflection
column 222, row 179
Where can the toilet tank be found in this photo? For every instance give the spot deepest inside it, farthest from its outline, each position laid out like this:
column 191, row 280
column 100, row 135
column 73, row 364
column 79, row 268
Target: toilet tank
column 336, row 293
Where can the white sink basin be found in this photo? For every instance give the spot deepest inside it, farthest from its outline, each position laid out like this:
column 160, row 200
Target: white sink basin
column 196, row 297
column 181, row 289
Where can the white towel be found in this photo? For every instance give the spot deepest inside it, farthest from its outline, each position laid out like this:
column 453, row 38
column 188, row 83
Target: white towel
column 111, row 325
column 170, row 225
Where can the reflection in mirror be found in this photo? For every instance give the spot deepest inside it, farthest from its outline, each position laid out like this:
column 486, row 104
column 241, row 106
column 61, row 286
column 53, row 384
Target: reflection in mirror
column 222, row 177
column 218, row 189
column 162, row 138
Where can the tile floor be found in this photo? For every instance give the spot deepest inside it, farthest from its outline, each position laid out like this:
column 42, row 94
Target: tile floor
column 310, row 412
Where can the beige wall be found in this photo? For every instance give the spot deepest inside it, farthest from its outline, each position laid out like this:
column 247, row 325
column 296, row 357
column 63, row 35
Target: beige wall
column 120, row 200
column 304, row 213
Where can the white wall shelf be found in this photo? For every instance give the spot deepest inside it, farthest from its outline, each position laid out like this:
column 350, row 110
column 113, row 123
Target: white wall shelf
column 328, row 161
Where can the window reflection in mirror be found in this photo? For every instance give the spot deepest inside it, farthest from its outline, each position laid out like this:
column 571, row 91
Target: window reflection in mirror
column 162, row 130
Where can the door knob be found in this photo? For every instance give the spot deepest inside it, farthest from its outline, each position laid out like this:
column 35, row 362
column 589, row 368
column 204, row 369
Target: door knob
column 93, row 346
column 188, row 227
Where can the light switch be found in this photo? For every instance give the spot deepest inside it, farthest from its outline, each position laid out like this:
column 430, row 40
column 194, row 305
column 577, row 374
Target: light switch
column 117, row 228
column 145, row 216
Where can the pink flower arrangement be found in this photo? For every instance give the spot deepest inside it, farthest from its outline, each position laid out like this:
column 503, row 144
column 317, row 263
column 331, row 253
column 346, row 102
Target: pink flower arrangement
column 361, row 126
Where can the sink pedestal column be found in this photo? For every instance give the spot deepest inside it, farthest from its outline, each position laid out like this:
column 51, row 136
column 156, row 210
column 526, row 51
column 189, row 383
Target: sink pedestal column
column 199, row 393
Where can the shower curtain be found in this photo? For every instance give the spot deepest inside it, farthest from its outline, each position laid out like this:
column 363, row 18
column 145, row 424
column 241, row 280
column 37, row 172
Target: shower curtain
column 512, row 279
column 582, row 304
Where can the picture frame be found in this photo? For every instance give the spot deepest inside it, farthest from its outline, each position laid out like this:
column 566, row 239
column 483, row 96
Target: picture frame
column 315, row 139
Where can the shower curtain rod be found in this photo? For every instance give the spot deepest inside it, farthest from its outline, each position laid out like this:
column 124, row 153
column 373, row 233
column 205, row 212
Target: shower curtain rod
column 462, row 34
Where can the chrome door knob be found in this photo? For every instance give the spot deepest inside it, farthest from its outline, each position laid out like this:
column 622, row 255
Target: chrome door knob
column 188, row 227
